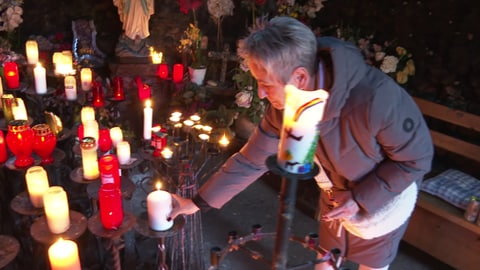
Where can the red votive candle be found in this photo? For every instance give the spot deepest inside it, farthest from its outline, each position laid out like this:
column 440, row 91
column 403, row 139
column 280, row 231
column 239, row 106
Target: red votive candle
column 110, row 206
column 159, row 140
column 118, row 88
column 97, row 93
column 104, row 140
column 177, row 73
column 144, row 92
column 10, row 70
column 3, row 148
column 109, row 170
column 162, row 71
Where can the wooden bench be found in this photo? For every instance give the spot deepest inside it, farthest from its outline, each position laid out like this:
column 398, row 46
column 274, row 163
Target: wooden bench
column 437, row 227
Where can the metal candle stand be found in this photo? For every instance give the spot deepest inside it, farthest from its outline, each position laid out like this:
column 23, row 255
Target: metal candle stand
column 282, row 235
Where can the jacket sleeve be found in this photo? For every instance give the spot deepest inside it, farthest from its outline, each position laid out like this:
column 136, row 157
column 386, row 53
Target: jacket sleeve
column 242, row 168
column 405, row 140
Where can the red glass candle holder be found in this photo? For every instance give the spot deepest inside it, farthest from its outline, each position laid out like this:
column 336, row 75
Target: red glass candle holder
column 110, row 206
column 44, row 142
column 12, row 77
column 162, row 71
column 3, row 148
column 109, row 169
column 159, row 140
column 144, row 92
column 97, row 93
column 20, row 142
column 178, row 73
column 104, row 140
column 80, row 132
column 118, row 89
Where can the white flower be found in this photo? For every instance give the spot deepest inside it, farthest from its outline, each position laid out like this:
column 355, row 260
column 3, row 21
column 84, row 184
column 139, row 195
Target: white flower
column 244, row 98
column 379, row 56
column 389, row 64
column 220, row 8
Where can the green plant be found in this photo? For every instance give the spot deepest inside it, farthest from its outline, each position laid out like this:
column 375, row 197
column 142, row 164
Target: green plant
column 194, row 44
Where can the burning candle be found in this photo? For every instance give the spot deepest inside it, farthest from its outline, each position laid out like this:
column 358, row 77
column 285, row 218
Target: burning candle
column 207, row 129
column 144, row 92
column 177, row 73
column 147, row 121
column 118, row 88
column 31, row 48
column 70, row 87
column 167, row 153
column 19, row 111
column 10, row 71
column 37, row 183
column 204, row 137
column 116, row 135
column 159, row 206
column 224, row 142
column 155, row 56
column 56, row 209
column 86, row 79
column 3, row 148
column 195, row 118
column 176, row 114
column 162, row 71
column 97, row 93
column 123, row 152
column 109, row 169
column 110, row 206
column 87, row 113
column 91, row 129
column 40, row 76
column 88, row 148
column 63, row 255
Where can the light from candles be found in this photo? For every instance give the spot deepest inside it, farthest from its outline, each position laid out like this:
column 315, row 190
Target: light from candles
column 40, row 76
column 87, row 113
column 12, row 77
column 174, row 119
column 19, row 111
column 63, row 255
column 147, row 120
column 176, row 114
column 56, row 209
column 31, row 48
column 70, row 87
column 123, row 152
column 198, row 127
column 155, row 56
column 167, row 153
column 91, row 129
column 188, row 123
column 207, row 129
column 159, row 206
column 88, row 147
column 204, row 137
column 195, row 117
column 224, row 142
column 162, row 71
column 86, row 79
column 116, row 135
column 37, row 183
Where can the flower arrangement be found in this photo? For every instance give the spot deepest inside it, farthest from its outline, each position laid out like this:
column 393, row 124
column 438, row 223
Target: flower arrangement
column 303, row 10
column 218, row 9
column 247, row 101
column 10, row 14
column 194, row 44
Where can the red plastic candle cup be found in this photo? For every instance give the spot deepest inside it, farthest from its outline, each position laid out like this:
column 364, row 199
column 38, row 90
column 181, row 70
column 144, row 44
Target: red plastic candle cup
column 104, row 140
column 162, row 71
column 177, row 73
column 110, row 206
column 10, row 70
column 3, row 148
column 144, row 92
column 109, row 170
column 118, row 88
column 97, row 92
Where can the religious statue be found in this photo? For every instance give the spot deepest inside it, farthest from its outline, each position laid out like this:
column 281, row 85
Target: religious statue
column 134, row 15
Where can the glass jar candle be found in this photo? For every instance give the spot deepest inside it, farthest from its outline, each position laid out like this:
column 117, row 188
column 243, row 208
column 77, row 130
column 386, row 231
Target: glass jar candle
column 44, row 143
column 20, row 142
column 57, row 211
column 88, row 148
column 109, row 169
column 110, row 206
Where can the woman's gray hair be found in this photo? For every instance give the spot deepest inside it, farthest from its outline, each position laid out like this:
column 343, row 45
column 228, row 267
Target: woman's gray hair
column 280, row 45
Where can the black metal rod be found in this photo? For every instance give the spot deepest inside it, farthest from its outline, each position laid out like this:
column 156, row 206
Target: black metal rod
column 285, row 216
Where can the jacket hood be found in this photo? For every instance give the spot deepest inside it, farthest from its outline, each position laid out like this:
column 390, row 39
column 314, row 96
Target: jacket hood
column 349, row 69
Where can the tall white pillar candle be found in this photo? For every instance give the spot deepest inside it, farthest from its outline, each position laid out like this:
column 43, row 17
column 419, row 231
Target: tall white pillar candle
column 70, row 87
column 87, row 113
column 91, row 129
column 40, row 76
column 56, row 209
column 86, row 79
column 31, row 49
column 63, row 255
column 147, row 121
column 159, row 206
column 37, row 183
column 123, row 152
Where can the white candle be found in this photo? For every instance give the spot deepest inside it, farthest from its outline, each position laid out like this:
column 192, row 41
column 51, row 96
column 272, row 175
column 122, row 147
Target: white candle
column 86, row 79
column 56, row 209
column 37, row 183
column 88, row 148
column 204, row 137
column 91, row 129
column 70, row 87
column 123, row 152
column 40, row 76
column 167, row 153
column 195, row 117
column 159, row 206
column 31, row 48
column 207, row 129
column 87, row 113
column 176, row 114
column 147, row 120
column 116, row 135
column 19, row 111
column 63, row 255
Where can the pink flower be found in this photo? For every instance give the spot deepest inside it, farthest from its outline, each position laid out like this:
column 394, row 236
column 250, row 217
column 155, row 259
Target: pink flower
column 186, row 5
column 244, row 98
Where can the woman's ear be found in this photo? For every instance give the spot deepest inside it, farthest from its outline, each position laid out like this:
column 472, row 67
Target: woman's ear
column 300, row 78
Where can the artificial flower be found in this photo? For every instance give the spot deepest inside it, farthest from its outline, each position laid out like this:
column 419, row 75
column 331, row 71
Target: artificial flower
column 220, row 8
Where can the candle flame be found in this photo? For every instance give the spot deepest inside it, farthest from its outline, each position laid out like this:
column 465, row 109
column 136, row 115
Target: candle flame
column 224, row 141
column 158, row 186
column 148, row 103
column 156, row 128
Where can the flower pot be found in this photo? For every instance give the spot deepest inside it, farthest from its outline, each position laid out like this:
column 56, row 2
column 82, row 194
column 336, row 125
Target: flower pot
column 197, row 75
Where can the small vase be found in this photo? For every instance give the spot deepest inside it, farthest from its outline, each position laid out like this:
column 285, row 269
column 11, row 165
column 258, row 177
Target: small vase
column 197, row 75
column 20, row 142
column 44, row 142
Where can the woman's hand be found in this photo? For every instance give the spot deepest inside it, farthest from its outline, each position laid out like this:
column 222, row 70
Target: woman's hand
column 346, row 207
column 182, row 206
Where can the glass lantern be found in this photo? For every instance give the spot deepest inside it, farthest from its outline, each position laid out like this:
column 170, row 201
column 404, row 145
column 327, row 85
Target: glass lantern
column 20, row 142
column 44, row 143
